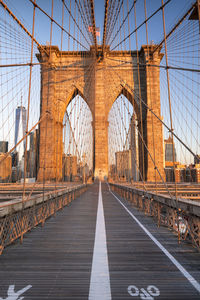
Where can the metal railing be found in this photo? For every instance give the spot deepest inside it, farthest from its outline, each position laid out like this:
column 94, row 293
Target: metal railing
column 19, row 217
column 182, row 216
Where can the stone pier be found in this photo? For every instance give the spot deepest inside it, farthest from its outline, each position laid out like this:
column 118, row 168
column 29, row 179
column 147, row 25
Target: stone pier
column 99, row 78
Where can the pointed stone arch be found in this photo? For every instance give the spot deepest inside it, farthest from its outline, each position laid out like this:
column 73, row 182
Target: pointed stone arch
column 125, row 91
column 99, row 82
column 61, row 104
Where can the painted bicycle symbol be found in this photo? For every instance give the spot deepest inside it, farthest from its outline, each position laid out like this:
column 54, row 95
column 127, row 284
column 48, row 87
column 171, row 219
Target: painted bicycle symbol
column 148, row 294
column 12, row 295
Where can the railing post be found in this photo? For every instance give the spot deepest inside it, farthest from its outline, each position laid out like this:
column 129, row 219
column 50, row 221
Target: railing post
column 131, row 196
column 158, row 214
column 134, row 198
column 21, row 224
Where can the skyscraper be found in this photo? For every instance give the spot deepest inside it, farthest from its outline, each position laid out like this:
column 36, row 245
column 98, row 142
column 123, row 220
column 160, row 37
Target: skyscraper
column 134, row 149
column 169, row 150
column 20, row 129
column 3, row 146
column 32, row 154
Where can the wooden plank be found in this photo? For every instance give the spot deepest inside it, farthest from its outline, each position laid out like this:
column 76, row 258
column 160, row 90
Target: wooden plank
column 134, row 259
column 56, row 259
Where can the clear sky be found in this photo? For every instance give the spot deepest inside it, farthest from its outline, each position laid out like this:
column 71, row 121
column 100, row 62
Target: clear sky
column 23, row 10
column 183, row 51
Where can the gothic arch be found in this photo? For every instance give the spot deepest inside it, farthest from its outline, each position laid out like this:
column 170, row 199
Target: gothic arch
column 129, row 95
column 99, row 88
column 61, row 104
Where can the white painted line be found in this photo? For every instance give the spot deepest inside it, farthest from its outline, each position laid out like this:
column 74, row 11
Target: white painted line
column 100, row 277
column 187, row 275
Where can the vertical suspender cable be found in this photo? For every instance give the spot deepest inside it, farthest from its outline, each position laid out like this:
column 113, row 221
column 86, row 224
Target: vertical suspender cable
column 28, row 111
column 93, row 23
column 152, row 121
column 29, row 97
column 48, row 92
column 170, row 110
column 69, row 24
column 139, row 87
column 105, row 24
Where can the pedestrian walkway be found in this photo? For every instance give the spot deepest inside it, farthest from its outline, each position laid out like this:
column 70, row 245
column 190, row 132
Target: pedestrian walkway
column 99, row 248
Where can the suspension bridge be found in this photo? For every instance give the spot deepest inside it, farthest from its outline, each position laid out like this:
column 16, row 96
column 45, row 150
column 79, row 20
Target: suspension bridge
column 99, row 149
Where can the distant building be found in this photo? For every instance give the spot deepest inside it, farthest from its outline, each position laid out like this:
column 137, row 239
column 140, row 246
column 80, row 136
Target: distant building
column 123, row 164
column 112, row 171
column 69, row 167
column 197, row 160
column 14, row 174
column 169, row 166
column 3, row 146
column 182, row 172
column 83, row 169
column 86, row 170
column 134, row 150
column 20, row 129
column 169, row 150
column 15, row 158
column 169, row 170
column 5, row 167
column 32, row 154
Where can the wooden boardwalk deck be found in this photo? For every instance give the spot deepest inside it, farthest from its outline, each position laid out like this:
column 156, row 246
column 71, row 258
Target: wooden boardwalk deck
column 9, row 191
column 55, row 261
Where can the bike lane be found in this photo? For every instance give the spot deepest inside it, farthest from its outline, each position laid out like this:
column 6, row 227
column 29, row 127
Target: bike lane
column 138, row 268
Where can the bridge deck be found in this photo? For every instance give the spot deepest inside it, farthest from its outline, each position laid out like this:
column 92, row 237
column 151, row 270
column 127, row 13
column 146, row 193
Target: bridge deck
column 56, row 261
column 9, row 192
column 182, row 190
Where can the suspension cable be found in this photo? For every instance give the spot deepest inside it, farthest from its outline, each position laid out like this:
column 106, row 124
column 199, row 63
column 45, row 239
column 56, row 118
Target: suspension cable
column 105, row 23
column 69, row 11
column 152, row 15
column 134, row 2
column 54, row 21
column 175, row 27
column 93, row 23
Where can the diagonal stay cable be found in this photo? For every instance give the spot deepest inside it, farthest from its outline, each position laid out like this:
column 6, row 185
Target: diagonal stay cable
column 54, row 21
column 156, row 66
column 75, row 21
column 124, row 83
column 134, row 2
column 105, row 23
column 20, row 24
column 168, row 128
column 113, row 24
column 138, row 27
column 150, row 155
column 93, row 23
column 175, row 26
column 82, row 14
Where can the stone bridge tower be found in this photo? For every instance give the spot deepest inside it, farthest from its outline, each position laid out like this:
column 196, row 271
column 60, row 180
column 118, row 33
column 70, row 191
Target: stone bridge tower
column 99, row 80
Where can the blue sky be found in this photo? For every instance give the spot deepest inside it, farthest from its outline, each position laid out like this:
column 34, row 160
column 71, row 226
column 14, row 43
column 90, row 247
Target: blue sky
column 23, row 10
column 181, row 45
